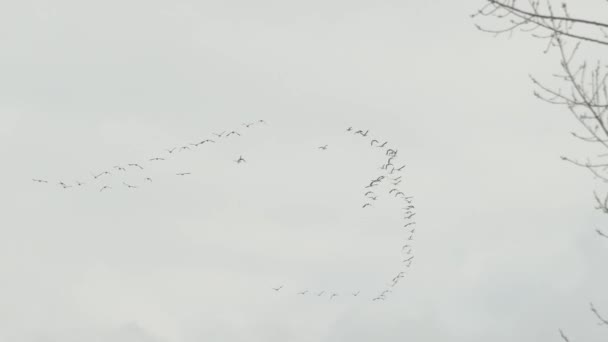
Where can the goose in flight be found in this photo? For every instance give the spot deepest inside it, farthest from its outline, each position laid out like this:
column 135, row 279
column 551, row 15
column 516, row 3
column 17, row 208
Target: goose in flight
column 303, row 292
column 277, row 289
column 63, row 185
column 333, row 295
column 156, row 159
column 364, row 134
column 101, row 174
column 39, row 180
column 349, row 129
column 247, row 125
column 401, row 168
column 219, row 135
column 104, row 188
column 324, row 147
column 205, row 141
column 136, row 165
column 374, row 141
column 79, row 183
column 129, row 186
column 183, row 173
column 170, row 150
column 393, row 190
column 356, row 293
column 383, row 144
column 320, row 293
column 409, row 216
column 369, row 193
column 120, row 168
column 409, row 259
column 409, row 224
column 148, row 179
column 367, row 205
column 184, row 148
column 232, row 133
column 262, row 122
column 240, row 160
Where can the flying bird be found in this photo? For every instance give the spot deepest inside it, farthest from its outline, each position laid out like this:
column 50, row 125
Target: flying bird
column 247, row 125
column 171, row 150
column 136, row 165
column 63, row 185
column 324, row 147
column 278, row 288
column 320, row 293
column 184, row 148
column 240, row 160
column 40, row 181
column 120, row 168
column 157, row 158
column 366, row 205
column 101, row 174
column 79, row 183
column 410, row 216
column 148, row 179
column 401, row 168
column 369, row 193
column 333, row 295
column 409, row 224
column 129, row 186
column 232, row 133
column 374, row 141
column 303, row 292
column 349, row 129
column 183, row 173
column 105, row 187
column 356, row 293
column 384, row 144
column 219, row 135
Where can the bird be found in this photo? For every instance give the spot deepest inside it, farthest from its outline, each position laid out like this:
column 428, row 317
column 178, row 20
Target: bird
column 129, row 186
column 374, row 141
column 409, row 224
column 410, row 216
column 349, row 129
column 397, row 178
column 278, row 288
column 219, row 135
column 391, row 152
column 333, row 295
column 369, row 193
column 120, row 168
column 170, row 150
column 156, row 159
column 409, row 259
column 392, row 190
column 232, row 133
column 184, row 148
column 399, row 193
column 373, row 198
column 105, row 187
column 356, row 293
column 366, row 205
column 383, row 144
column 63, row 185
column 240, row 160
column 136, row 165
column 324, row 147
column 397, row 182
column 148, row 179
column 79, row 183
column 39, row 180
column 247, row 125
column 101, row 174
column 303, row 292
column 320, row 293
column 405, row 246
column 364, row 134
column 262, row 122
column 183, row 173
column 205, row 141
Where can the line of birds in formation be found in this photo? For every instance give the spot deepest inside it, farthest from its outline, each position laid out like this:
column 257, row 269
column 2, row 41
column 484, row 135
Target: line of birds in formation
column 170, row 151
column 370, row 196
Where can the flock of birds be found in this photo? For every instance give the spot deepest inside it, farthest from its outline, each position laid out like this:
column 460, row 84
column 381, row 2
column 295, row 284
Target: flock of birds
column 388, row 183
column 123, row 169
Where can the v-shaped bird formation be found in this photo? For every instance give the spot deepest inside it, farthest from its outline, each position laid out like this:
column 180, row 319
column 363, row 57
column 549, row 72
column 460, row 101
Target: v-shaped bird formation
column 386, row 184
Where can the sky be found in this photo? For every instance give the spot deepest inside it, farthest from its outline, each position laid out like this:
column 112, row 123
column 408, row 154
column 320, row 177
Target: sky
column 505, row 247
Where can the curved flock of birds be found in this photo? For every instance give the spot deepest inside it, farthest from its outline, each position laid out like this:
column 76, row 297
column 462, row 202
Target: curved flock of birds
column 387, row 183
column 98, row 178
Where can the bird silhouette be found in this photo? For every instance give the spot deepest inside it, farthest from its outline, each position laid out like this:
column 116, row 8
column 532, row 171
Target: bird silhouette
column 303, row 292
column 240, row 160
column 356, row 293
column 104, row 188
column 39, row 181
column 320, row 293
column 219, row 135
column 324, row 147
column 148, row 179
column 170, row 150
column 129, row 186
column 367, row 205
column 277, row 289
column 157, row 159
column 333, row 295
column 183, row 173
column 136, row 165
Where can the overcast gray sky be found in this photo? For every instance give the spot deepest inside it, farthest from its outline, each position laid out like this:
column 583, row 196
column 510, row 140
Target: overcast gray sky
column 505, row 246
